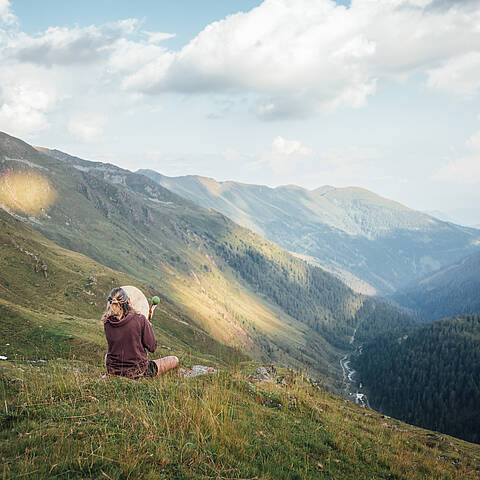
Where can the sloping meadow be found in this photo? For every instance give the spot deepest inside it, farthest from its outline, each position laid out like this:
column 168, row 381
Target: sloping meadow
column 63, row 420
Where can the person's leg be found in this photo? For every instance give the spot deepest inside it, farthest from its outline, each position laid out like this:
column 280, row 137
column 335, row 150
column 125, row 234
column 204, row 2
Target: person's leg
column 166, row 363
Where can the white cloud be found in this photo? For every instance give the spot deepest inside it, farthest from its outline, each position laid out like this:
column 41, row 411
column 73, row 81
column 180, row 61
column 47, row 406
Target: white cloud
column 23, row 108
column 284, row 156
column 290, row 159
column 287, row 58
column 157, row 37
column 67, row 46
column 302, row 57
column 59, row 76
column 274, row 50
column 460, row 75
column 281, row 146
column 128, row 56
column 87, row 127
column 6, row 15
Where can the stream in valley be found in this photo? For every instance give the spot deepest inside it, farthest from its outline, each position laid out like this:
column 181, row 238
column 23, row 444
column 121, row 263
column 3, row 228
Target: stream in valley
column 351, row 387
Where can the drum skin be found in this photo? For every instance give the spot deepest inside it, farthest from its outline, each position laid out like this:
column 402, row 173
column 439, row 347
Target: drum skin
column 138, row 300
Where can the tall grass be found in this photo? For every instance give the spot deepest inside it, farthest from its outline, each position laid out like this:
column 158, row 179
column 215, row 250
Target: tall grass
column 63, row 420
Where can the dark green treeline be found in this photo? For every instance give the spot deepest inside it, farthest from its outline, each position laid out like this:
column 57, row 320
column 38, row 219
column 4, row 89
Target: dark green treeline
column 429, row 376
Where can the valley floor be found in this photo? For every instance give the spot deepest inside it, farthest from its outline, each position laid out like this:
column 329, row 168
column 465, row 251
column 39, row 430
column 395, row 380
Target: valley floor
column 351, row 388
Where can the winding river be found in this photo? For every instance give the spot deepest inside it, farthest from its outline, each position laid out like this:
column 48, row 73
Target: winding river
column 351, row 387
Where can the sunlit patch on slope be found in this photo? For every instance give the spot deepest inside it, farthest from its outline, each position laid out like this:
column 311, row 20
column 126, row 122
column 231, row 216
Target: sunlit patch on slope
column 26, row 192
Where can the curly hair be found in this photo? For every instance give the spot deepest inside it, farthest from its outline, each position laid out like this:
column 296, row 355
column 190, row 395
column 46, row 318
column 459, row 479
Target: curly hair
column 118, row 305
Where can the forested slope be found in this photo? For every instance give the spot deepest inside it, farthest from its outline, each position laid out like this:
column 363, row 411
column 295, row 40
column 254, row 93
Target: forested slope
column 428, row 376
column 453, row 290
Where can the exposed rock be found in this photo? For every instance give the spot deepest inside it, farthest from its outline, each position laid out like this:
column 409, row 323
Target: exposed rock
column 264, row 374
column 196, row 370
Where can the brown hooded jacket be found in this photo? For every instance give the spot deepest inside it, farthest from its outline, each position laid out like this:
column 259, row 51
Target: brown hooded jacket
column 127, row 341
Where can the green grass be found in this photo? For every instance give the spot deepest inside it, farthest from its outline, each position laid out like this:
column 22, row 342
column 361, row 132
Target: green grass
column 60, row 419
column 73, row 298
column 59, row 316
column 243, row 290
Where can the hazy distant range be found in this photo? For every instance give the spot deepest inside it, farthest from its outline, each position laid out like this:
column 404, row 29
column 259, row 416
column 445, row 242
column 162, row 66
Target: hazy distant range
column 376, row 245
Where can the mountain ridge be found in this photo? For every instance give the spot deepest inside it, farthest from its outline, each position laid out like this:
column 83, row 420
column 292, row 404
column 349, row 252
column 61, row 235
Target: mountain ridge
column 372, row 243
column 449, row 291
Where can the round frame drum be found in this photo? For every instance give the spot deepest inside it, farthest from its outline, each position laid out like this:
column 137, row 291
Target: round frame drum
column 138, row 300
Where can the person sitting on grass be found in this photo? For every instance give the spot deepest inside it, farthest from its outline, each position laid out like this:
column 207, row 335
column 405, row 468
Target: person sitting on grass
column 129, row 334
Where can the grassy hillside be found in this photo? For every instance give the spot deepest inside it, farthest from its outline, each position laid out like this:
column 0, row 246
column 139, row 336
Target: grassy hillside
column 428, row 376
column 62, row 420
column 59, row 316
column 241, row 289
column 452, row 290
column 374, row 244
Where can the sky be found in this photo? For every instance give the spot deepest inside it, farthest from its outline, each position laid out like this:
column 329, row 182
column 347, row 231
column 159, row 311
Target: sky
column 369, row 93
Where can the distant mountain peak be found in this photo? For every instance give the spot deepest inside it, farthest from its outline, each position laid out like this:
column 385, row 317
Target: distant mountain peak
column 323, row 189
column 348, row 230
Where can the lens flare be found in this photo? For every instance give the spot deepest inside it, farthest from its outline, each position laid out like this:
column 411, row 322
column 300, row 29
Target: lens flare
column 26, row 192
